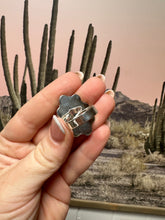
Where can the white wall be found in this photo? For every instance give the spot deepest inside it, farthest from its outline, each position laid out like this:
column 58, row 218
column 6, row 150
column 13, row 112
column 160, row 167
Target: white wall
column 94, row 214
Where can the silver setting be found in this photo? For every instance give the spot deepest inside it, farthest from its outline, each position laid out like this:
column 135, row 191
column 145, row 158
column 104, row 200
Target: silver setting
column 78, row 115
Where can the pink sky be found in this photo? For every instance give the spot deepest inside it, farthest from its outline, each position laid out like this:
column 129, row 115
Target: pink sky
column 136, row 28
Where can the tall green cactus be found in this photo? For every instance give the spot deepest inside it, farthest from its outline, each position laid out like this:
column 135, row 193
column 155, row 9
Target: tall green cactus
column 52, row 33
column 54, row 75
column 27, row 48
column 23, row 92
column 1, row 123
column 5, row 65
column 15, row 77
column 156, row 139
column 106, row 60
column 116, row 79
column 43, row 56
column 87, row 48
column 70, row 52
column 90, row 59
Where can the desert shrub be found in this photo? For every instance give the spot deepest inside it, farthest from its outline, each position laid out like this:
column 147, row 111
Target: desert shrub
column 127, row 134
column 155, row 157
column 113, row 142
column 129, row 141
column 144, row 182
column 154, row 183
column 124, row 127
column 86, row 179
column 132, row 166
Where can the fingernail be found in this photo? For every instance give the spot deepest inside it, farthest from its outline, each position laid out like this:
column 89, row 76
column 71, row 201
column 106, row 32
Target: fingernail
column 110, row 92
column 80, row 74
column 101, row 76
column 57, row 131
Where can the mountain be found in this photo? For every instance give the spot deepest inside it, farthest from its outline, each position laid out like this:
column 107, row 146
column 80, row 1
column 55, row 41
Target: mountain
column 5, row 105
column 127, row 109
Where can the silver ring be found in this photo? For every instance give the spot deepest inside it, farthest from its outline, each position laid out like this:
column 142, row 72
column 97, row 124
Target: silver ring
column 78, row 115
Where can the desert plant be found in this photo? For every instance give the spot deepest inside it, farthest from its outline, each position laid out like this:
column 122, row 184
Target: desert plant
column 156, row 139
column 106, row 60
column 132, row 166
column 127, row 135
column 1, row 122
column 15, row 77
column 155, row 157
column 87, row 48
column 86, row 179
column 43, row 54
column 27, row 48
column 116, row 79
column 70, row 52
column 52, row 33
column 5, row 65
column 90, row 59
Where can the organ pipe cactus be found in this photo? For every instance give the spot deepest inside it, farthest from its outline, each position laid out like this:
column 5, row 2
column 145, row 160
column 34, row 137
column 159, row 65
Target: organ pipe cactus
column 5, row 65
column 87, row 48
column 43, row 56
column 27, row 49
column 106, row 60
column 15, row 77
column 116, row 79
column 90, row 59
column 156, row 139
column 70, row 52
column 23, row 92
column 52, row 33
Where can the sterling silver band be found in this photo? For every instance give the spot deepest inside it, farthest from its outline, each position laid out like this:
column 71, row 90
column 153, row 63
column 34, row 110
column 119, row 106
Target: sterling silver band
column 82, row 116
column 78, row 115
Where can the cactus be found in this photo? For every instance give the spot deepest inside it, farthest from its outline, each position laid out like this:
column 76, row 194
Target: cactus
column 54, row 75
column 152, row 128
column 1, row 123
column 50, row 58
column 15, row 77
column 90, row 59
column 5, row 65
column 27, row 48
column 156, row 139
column 70, row 52
column 106, row 60
column 43, row 54
column 87, row 48
column 23, row 92
column 116, row 79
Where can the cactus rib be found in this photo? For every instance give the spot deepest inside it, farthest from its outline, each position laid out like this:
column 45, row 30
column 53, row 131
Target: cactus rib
column 43, row 54
column 50, row 58
column 27, row 48
column 70, row 52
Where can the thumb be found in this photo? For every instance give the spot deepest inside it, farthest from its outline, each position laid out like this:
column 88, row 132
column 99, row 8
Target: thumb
column 46, row 158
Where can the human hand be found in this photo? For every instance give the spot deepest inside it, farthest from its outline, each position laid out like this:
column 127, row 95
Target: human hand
column 40, row 159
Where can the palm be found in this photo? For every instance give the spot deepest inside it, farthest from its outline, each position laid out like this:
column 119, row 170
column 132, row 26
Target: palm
column 34, row 185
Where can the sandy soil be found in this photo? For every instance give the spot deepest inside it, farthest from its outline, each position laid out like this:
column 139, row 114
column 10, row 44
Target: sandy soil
column 117, row 188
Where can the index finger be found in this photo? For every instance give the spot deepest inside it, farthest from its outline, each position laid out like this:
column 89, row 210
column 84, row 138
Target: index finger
column 36, row 112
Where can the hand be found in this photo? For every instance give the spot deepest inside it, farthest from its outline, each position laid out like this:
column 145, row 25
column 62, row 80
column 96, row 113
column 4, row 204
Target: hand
column 40, row 159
